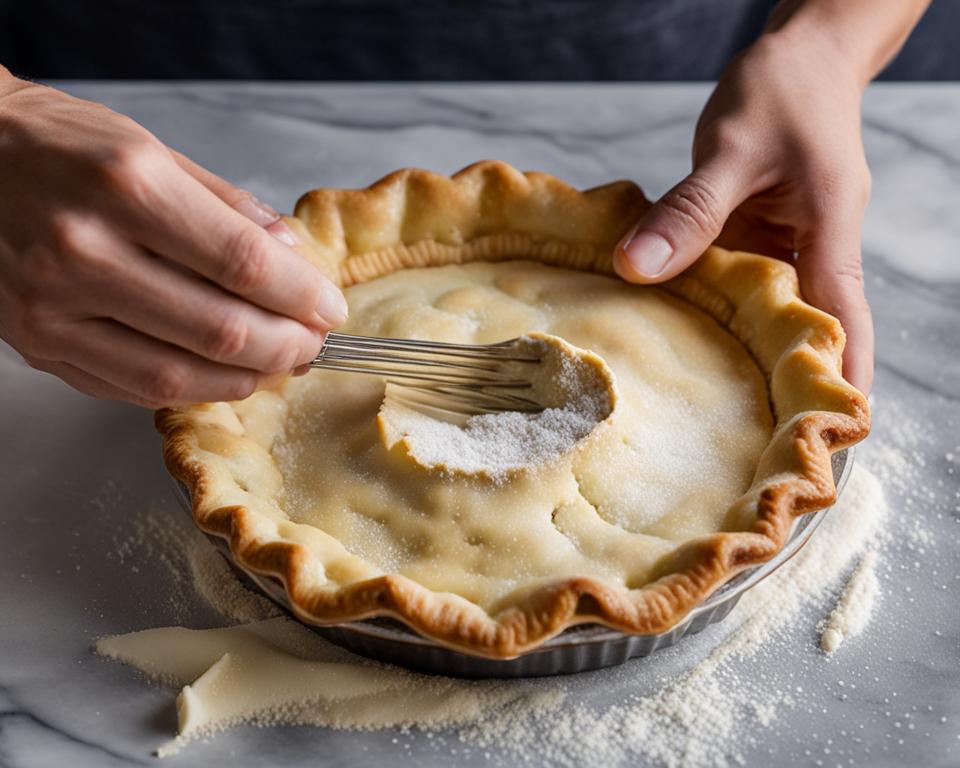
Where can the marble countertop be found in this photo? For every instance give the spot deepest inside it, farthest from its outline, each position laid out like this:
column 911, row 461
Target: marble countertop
column 76, row 473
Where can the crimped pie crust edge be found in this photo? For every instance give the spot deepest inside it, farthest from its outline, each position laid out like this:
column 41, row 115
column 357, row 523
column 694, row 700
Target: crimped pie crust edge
column 490, row 211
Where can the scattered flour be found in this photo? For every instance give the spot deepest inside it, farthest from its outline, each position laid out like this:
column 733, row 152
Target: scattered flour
column 855, row 606
column 277, row 671
column 216, row 583
column 705, row 717
column 159, row 535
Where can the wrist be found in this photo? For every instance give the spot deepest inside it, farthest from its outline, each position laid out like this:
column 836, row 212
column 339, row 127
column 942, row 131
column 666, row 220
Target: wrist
column 822, row 47
column 859, row 36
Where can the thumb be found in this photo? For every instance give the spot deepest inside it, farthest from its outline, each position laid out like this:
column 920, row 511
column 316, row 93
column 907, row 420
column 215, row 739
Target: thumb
column 680, row 226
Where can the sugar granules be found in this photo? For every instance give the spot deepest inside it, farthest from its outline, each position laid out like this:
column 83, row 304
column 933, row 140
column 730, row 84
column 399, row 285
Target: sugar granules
column 496, row 443
column 579, row 395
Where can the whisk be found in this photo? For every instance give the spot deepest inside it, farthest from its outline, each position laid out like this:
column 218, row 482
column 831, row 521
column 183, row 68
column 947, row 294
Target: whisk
column 462, row 378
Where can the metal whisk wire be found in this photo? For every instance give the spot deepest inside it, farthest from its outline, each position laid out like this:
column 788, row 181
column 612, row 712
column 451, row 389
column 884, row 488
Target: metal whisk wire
column 464, row 378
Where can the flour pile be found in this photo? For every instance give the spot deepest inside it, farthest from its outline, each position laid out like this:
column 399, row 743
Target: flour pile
column 273, row 670
column 855, row 606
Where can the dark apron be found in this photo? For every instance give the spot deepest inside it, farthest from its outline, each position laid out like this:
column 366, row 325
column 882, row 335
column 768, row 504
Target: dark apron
column 409, row 39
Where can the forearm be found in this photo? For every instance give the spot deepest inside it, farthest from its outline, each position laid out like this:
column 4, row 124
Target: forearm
column 866, row 34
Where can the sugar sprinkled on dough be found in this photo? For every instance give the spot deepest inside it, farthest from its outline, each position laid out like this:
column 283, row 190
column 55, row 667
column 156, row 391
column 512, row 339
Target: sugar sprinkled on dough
column 578, row 392
column 690, row 422
column 496, row 443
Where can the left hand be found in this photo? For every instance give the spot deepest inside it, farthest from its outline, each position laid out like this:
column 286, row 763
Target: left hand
column 779, row 169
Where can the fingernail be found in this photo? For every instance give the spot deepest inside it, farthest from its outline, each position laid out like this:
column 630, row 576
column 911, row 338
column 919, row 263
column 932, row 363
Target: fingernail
column 257, row 212
column 332, row 307
column 648, row 253
column 283, row 233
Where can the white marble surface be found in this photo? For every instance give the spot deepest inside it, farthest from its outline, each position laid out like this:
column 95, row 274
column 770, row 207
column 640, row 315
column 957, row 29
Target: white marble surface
column 77, row 475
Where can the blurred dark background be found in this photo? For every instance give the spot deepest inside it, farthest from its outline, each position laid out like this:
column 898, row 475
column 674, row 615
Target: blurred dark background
column 413, row 40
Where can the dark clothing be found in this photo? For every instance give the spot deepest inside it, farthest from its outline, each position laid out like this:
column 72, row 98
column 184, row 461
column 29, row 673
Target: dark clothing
column 412, row 39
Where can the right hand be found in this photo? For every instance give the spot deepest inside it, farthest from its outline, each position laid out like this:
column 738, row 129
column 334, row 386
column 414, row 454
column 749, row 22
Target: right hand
column 131, row 273
column 779, row 169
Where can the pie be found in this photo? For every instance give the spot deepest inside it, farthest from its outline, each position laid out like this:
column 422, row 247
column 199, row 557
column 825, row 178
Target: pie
column 724, row 399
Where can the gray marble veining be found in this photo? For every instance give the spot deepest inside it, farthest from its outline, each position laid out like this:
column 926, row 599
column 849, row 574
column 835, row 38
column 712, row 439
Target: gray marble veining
column 75, row 560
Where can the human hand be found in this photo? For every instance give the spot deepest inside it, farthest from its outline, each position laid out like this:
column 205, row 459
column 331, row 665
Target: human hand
column 778, row 169
column 132, row 273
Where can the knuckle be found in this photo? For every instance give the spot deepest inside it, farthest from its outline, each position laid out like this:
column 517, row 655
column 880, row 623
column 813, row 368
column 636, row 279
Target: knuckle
column 247, row 268
column 131, row 165
column 698, row 204
column 228, row 338
column 72, row 253
column 850, row 284
column 850, row 273
column 65, row 233
column 167, row 384
column 236, row 197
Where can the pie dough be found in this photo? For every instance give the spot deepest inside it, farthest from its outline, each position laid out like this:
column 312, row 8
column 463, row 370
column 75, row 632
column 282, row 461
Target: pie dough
column 728, row 403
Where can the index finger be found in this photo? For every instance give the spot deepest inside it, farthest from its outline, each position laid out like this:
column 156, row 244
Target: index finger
column 193, row 227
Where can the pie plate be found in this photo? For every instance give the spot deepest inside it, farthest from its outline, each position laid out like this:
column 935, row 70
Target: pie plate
column 577, row 649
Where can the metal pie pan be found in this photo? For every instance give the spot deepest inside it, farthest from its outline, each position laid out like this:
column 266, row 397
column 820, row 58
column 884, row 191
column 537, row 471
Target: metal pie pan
column 577, row 649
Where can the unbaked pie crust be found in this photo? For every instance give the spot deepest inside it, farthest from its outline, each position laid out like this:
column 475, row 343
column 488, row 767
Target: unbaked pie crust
column 730, row 402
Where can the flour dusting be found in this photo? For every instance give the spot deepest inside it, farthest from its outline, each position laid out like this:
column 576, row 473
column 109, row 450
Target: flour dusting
column 216, row 583
column 855, row 606
column 277, row 671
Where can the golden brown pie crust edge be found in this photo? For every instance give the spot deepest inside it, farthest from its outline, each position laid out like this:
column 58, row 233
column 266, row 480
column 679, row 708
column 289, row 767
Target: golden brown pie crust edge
column 490, row 211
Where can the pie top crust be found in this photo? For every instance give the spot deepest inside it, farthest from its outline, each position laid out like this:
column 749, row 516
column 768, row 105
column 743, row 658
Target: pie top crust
column 730, row 400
